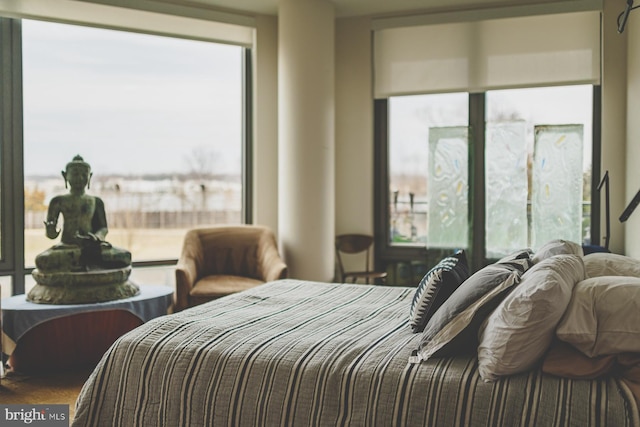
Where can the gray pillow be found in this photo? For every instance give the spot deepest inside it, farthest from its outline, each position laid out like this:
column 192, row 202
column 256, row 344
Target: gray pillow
column 453, row 329
column 519, row 254
column 515, row 336
column 436, row 287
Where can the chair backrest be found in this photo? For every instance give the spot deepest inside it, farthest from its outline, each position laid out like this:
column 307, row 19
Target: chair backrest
column 234, row 249
column 353, row 244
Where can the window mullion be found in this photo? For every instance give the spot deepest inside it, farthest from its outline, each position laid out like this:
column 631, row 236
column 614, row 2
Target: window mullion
column 12, row 262
column 247, row 136
column 477, row 180
column 596, row 172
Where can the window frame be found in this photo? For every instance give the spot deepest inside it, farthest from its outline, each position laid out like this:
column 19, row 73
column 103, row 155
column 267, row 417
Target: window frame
column 12, row 209
column 387, row 253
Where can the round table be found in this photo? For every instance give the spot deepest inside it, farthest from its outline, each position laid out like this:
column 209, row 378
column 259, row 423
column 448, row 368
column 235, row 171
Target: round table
column 44, row 337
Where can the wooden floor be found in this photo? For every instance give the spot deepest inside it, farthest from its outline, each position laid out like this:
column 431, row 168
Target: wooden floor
column 52, row 388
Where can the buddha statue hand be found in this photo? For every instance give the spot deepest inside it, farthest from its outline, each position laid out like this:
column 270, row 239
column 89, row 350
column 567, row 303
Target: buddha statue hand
column 50, row 226
column 93, row 240
column 88, row 238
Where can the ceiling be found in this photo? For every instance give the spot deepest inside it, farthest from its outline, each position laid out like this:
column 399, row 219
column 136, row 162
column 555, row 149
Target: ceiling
column 345, row 8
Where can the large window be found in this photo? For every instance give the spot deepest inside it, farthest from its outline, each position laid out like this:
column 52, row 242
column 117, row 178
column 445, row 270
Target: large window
column 534, row 150
column 509, row 168
column 538, row 159
column 161, row 120
column 428, row 169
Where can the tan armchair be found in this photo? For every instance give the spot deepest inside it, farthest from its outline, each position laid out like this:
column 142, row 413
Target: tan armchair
column 221, row 260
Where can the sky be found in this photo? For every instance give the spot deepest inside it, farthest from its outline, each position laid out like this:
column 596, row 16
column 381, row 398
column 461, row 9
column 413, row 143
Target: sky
column 128, row 102
column 143, row 104
column 412, row 116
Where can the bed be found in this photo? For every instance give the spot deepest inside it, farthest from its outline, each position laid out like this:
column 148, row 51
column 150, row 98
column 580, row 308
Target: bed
column 301, row 353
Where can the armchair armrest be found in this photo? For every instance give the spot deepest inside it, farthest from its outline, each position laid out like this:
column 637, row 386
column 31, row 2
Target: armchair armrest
column 273, row 267
column 276, row 271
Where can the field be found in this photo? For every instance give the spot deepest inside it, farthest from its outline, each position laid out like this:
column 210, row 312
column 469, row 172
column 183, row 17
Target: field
column 144, row 244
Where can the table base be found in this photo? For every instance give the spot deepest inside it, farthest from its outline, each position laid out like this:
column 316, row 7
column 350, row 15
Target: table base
column 70, row 342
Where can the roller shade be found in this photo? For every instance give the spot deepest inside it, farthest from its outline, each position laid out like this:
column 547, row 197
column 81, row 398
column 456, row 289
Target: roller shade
column 214, row 27
column 476, row 56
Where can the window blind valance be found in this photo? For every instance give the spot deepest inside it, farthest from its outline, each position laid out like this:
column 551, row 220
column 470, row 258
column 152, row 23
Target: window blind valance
column 476, row 56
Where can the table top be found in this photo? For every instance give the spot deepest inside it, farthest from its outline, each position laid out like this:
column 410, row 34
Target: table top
column 19, row 302
column 20, row 315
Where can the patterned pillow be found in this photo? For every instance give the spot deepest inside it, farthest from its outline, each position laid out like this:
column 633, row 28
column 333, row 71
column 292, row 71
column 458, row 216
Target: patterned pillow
column 453, row 329
column 435, row 287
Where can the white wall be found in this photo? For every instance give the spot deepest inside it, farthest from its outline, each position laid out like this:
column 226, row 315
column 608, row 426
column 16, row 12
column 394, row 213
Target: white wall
column 632, row 226
column 265, row 122
column 614, row 111
column 354, row 131
column 354, row 127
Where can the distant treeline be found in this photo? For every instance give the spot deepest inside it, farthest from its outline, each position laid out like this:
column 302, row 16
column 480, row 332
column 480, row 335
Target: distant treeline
column 153, row 220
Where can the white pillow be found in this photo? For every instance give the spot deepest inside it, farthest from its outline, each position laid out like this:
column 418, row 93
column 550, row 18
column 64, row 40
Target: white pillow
column 517, row 334
column 603, row 316
column 607, row 264
column 557, row 247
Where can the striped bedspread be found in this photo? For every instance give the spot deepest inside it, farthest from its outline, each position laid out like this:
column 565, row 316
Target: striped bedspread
column 296, row 353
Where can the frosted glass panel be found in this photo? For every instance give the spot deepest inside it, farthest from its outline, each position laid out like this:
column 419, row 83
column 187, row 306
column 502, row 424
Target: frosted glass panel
column 506, row 188
column 556, row 207
column 448, row 184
